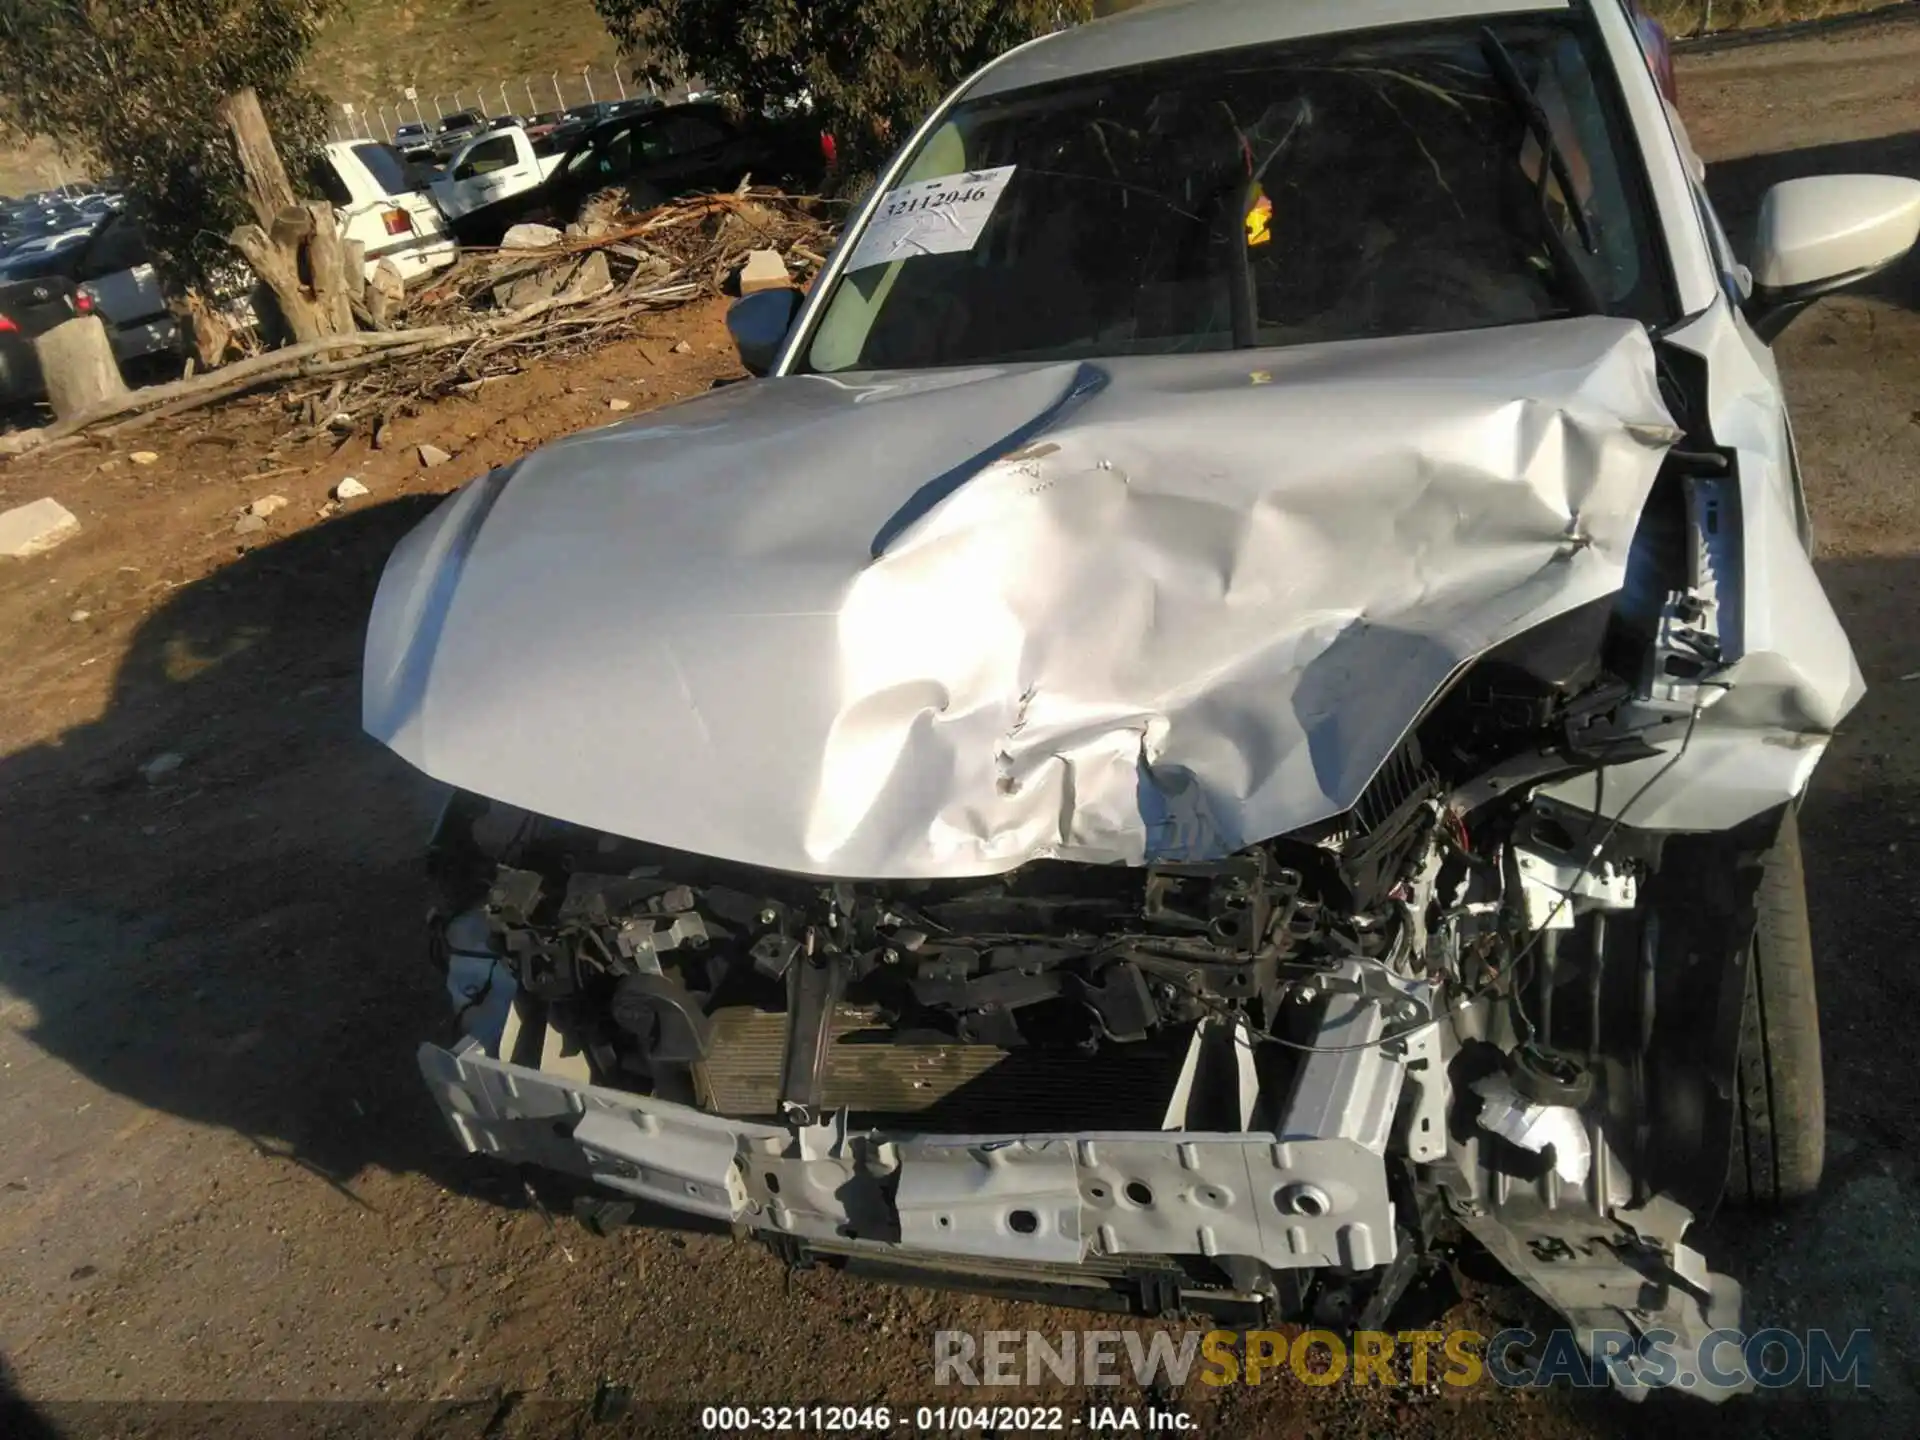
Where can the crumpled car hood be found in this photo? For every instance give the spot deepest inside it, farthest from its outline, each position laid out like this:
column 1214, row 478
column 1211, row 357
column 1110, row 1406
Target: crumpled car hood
column 942, row 624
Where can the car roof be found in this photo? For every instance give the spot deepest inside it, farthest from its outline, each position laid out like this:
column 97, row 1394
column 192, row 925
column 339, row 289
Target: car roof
column 1175, row 29
column 347, row 147
column 654, row 113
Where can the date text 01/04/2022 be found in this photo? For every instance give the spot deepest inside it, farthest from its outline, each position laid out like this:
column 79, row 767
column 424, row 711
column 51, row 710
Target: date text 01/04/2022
column 942, row 1419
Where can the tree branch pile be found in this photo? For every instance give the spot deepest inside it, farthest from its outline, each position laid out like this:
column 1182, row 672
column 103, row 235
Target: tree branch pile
column 495, row 312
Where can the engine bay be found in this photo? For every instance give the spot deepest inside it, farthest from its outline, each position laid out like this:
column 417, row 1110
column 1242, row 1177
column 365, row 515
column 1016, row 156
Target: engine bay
column 1059, row 996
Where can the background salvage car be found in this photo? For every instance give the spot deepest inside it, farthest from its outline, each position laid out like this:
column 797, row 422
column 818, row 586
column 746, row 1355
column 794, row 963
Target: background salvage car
column 646, row 154
column 379, row 201
column 1232, row 702
column 107, row 270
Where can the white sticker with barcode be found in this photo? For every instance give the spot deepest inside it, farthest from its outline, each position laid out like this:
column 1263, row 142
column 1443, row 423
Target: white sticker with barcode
column 931, row 217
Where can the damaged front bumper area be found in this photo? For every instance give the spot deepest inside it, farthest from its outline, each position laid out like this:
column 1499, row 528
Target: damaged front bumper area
column 1020, row 1085
column 1311, row 1193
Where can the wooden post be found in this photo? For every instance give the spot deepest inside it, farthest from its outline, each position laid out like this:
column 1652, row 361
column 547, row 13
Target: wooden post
column 268, row 189
column 353, row 259
column 385, row 290
column 295, row 248
column 327, row 265
column 279, row 266
column 78, row 362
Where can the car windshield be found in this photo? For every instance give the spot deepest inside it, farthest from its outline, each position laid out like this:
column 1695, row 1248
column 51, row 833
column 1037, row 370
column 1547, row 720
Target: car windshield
column 1391, row 183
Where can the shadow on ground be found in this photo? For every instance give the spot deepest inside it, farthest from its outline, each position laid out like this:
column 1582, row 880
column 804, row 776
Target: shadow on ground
column 240, row 942
column 1739, row 186
column 237, row 942
column 1849, row 1259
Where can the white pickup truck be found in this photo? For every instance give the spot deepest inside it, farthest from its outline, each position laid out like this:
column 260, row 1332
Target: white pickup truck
column 499, row 165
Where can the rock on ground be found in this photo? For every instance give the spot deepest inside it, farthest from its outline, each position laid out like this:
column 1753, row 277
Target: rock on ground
column 525, row 290
column 592, row 278
column 30, row 529
column 764, row 270
column 162, row 765
column 530, row 237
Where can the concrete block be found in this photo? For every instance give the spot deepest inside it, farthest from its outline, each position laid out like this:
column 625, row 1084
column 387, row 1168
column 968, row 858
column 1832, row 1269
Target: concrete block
column 30, row 529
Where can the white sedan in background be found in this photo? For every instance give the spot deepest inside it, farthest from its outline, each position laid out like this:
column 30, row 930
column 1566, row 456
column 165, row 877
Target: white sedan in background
column 377, row 201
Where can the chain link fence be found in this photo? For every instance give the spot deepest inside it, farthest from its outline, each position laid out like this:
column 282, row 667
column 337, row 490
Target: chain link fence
column 379, row 118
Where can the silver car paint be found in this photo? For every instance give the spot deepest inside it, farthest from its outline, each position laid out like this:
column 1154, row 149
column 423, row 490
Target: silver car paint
column 946, row 623
column 1006, row 744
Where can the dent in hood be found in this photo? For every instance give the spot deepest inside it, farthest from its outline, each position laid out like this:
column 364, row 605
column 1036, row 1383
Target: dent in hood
column 944, row 624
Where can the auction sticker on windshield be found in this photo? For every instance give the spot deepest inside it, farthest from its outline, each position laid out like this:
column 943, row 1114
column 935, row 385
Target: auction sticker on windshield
column 931, row 217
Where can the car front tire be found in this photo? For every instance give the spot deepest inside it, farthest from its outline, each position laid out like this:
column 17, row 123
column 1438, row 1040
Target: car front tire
column 1780, row 1128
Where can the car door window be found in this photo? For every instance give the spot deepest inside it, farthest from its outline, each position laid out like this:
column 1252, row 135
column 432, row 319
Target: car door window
column 675, row 137
column 117, row 246
column 609, row 155
column 327, row 180
column 488, row 156
column 651, row 145
column 614, row 157
column 1734, row 277
column 684, row 134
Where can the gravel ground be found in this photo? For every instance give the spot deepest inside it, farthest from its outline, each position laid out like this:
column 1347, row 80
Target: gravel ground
column 220, row 1180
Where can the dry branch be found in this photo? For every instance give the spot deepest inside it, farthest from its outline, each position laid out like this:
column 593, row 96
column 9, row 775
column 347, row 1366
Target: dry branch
column 204, row 390
column 659, row 260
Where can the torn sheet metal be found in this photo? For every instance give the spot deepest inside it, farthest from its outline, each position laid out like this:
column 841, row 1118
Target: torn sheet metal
column 945, row 623
column 1747, row 736
column 1539, row 1128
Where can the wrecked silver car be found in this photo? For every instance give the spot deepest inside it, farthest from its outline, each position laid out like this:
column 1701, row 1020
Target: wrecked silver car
column 1232, row 697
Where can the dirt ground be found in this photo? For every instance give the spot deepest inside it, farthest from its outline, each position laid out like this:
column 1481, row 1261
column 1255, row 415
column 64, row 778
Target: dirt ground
column 220, row 1177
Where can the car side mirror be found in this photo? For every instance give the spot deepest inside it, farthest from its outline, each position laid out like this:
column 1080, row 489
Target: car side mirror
column 759, row 325
column 1822, row 234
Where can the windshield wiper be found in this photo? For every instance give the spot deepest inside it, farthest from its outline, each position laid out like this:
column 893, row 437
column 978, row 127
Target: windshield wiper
column 1554, row 165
